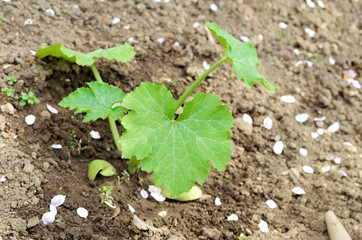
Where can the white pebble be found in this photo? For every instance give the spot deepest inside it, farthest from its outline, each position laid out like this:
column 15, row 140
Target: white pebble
column 325, row 169
column 50, row 11
column 298, row 63
column 51, row 109
column 162, row 213
column 176, row 44
column 144, row 193
column 320, row 131
column 263, row 226
column 95, row 134
column 283, row 25
column 132, row 40
column 310, row 4
column 332, row 61
column 214, row 7
column 233, row 217
column 28, row 22
column 314, row 135
column 205, row 65
column 321, row 119
column 337, row 160
column 33, row 52
column 2, row 178
column 244, row 39
column 131, row 208
column 268, row 123
column 334, row 127
column 278, row 147
column 57, row 146
column 247, row 118
column 348, row 144
column 127, row 27
column 302, row 117
column 217, row 201
column 296, row 51
column 196, row 25
column 158, row 196
column 160, row 40
column 7, row 1
column 271, row 203
column 352, row 73
column 288, row 99
column 298, row 190
column 57, row 200
column 30, row 119
column 344, row 174
column 310, row 32
column 48, row 217
column 82, row 212
column 260, row 37
column 356, row 84
column 321, row 4
column 308, row 169
column 153, row 188
column 115, row 20
column 303, row 151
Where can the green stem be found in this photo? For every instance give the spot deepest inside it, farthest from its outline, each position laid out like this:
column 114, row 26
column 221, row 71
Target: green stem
column 111, row 120
column 188, row 91
column 133, row 165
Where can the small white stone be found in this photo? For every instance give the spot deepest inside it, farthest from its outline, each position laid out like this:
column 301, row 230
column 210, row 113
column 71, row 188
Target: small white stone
column 7, row 1
column 176, row 44
column 314, row 135
column 344, row 174
column 260, row 37
column 321, row 119
column 288, row 99
column 244, row 39
column 310, row 4
column 271, row 203
column 153, row 188
column 247, row 118
column 298, row 63
column 283, row 25
column 233, row 217
column 348, row 144
column 115, row 20
column 309, row 63
column 95, row 134
column 214, row 7
column 263, row 226
column 82, row 212
column 33, row 52
column 163, row 213
column 132, row 40
column 50, row 11
column 218, row 201
column 57, row 200
column 158, row 196
column 320, row 131
column 356, row 84
column 127, row 27
column 144, row 193
column 48, row 217
column 337, row 160
column 268, row 123
column 302, row 117
column 308, row 169
column 30, row 119
column 28, row 22
column 131, row 208
column 298, row 190
column 160, row 40
column 205, row 65
column 51, row 109
column 296, row 51
column 75, row 6
column 310, row 32
column 332, row 61
column 196, row 25
column 278, row 147
column 303, row 151
column 334, row 127
column 352, row 74
column 2, row 178
column 57, row 146
column 325, row 169
column 321, row 4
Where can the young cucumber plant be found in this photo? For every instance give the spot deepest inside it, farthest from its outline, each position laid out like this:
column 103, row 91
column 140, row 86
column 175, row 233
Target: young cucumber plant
column 178, row 150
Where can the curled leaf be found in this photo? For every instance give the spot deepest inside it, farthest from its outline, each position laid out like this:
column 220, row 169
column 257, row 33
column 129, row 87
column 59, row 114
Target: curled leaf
column 102, row 167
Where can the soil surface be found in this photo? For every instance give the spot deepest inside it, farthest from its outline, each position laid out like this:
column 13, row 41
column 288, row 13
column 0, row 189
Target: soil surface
column 34, row 172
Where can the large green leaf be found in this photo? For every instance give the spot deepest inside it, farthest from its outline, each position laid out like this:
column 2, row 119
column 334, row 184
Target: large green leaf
column 96, row 101
column 242, row 56
column 177, row 151
column 122, row 53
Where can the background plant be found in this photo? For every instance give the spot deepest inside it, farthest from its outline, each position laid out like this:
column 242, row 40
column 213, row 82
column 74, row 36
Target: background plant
column 28, row 98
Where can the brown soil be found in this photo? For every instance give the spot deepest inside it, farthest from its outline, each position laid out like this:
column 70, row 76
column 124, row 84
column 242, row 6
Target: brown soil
column 35, row 172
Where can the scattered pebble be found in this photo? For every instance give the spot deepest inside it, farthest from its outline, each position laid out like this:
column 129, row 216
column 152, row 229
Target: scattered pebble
column 244, row 39
column 308, row 169
column 131, row 208
column 325, row 169
column 283, row 25
column 351, row 73
column 7, row 1
column 156, row 193
column 144, row 193
column 218, row 201
column 320, row 131
column 127, row 27
column 271, row 203
column 310, row 4
column 332, row 61
column 132, row 40
column 50, row 11
column 48, row 217
column 163, row 213
column 233, row 217
column 356, row 84
column 160, row 40
column 334, row 127
column 303, row 151
column 260, row 37
column 296, row 51
column 82, row 212
column 321, row 119
column 57, row 146
column 247, row 118
column 263, row 226
column 348, row 144
column 28, row 22
column 2, row 178
column 298, row 190
column 321, row 4
column 288, row 99
column 57, row 200
column 278, row 147
column 33, row 52
column 310, row 32
column 302, row 117
column 337, row 160
column 268, row 123
column 314, row 135
column 51, row 109
column 205, row 65
column 214, row 7
column 30, row 119
column 196, row 24
column 95, row 134
column 344, row 174
column 116, row 20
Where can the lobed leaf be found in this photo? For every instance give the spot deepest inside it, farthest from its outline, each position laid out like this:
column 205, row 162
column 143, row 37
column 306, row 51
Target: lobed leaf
column 122, row 53
column 242, row 56
column 96, row 101
column 177, row 151
column 102, row 167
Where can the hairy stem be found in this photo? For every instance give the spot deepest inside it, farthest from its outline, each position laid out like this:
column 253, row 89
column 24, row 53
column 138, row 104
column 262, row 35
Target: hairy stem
column 187, row 93
column 96, row 74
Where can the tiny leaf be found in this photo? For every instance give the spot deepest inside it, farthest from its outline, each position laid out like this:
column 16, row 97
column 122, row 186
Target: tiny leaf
column 122, row 53
column 177, row 151
column 242, row 56
column 96, row 101
column 102, row 167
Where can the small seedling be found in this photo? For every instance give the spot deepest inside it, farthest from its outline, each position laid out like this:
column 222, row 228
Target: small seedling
column 75, row 143
column 11, row 80
column 106, row 192
column 9, row 91
column 178, row 149
column 28, row 98
column 2, row 19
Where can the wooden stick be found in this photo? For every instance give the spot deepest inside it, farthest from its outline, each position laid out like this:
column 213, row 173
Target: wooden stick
column 336, row 231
